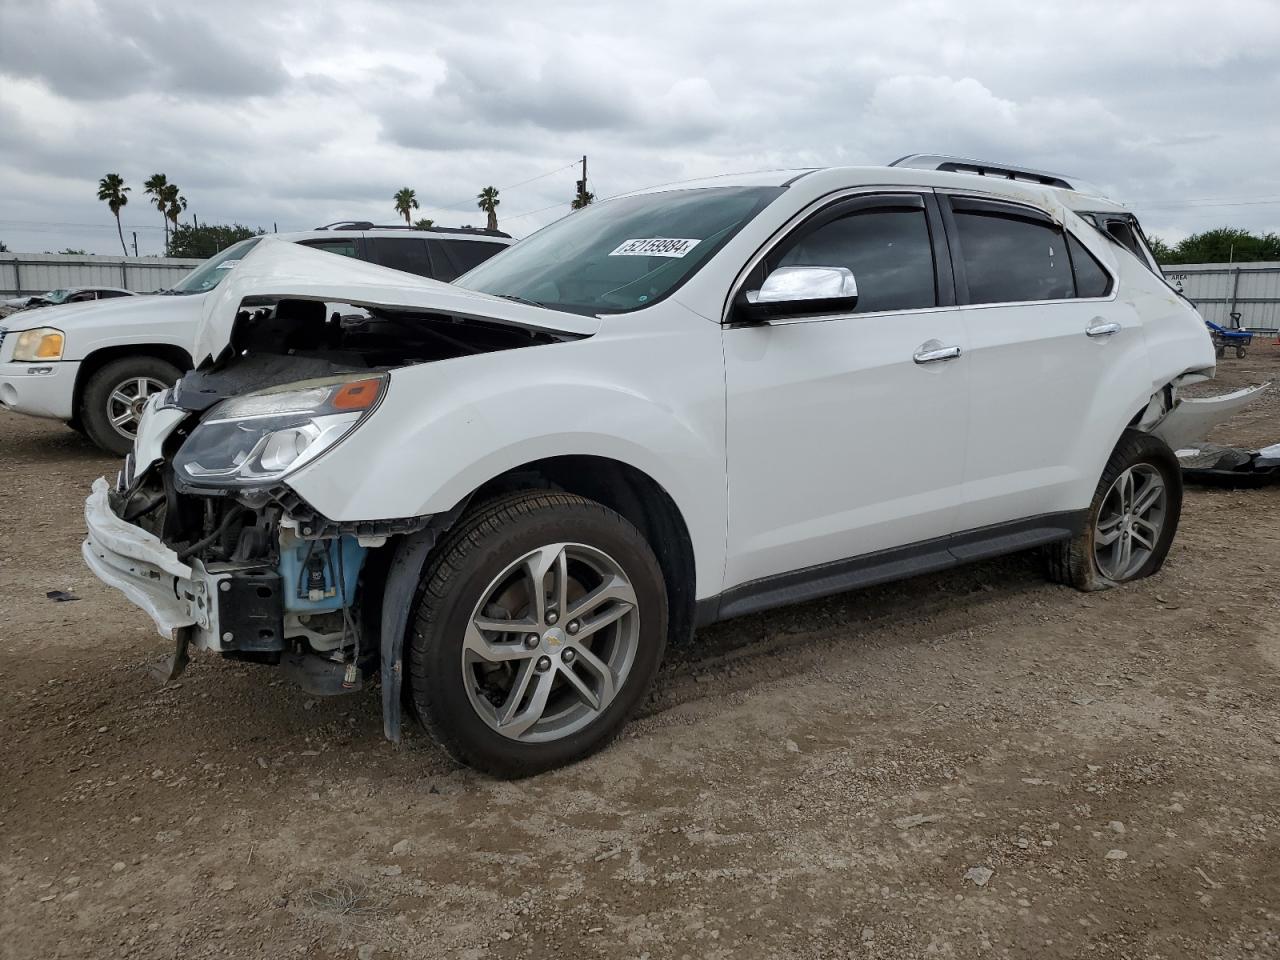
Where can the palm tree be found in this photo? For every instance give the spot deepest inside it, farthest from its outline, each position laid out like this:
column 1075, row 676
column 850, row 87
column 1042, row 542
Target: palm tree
column 406, row 200
column 489, row 201
column 174, row 204
column 154, row 187
column 111, row 188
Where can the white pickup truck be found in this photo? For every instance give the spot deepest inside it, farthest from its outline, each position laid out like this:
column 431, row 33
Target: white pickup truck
column 93, row 365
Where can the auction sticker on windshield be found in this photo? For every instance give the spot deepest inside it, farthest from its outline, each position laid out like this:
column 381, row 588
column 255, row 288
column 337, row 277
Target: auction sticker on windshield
column 654, row 247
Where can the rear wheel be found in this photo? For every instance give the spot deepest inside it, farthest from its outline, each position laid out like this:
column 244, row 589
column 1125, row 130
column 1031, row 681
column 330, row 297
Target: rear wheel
column 539, row 630
column 1132, row 520
column 113, row 397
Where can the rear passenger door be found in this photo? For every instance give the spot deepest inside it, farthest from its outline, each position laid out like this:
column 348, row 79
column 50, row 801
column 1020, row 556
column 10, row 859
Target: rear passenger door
column 1049, row 342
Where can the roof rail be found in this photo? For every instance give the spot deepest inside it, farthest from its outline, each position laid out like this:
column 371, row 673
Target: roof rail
column 367, row 225
column 927, row 161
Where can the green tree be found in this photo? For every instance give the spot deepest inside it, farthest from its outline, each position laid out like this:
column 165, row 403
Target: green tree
column 188, row 240
column 582, row 200
column 154, row 187
column 1163, row 252
column 405, row 200
column 1227, row 245
column 3, row 248
column 488, row 202
column 174, row 204
column 73, row 252
column 426, row 223
column 115, row 194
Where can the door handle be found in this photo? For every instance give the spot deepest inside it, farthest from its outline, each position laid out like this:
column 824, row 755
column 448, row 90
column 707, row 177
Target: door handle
column 933, row 352
column 1100, row 328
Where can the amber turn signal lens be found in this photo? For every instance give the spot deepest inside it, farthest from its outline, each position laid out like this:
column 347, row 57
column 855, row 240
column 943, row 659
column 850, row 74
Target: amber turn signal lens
column 357, row 395
column 50, row 347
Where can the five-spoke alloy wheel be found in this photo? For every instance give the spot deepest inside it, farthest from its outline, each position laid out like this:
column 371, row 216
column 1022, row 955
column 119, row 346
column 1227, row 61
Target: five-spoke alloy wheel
column 541, row 624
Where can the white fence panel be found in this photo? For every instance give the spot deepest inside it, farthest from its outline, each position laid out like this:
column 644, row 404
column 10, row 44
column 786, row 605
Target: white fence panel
column 1220, row 289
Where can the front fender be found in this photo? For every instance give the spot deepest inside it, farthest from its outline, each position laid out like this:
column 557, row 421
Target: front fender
column 444, row 429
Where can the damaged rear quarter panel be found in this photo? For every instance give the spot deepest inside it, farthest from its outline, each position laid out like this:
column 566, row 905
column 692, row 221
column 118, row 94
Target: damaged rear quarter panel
column 648, row 391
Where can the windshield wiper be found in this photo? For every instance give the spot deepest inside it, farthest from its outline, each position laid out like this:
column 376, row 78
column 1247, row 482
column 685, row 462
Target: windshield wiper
column 517, row 299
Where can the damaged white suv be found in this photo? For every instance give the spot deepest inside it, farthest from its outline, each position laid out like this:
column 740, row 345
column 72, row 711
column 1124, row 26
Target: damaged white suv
column 506, row 496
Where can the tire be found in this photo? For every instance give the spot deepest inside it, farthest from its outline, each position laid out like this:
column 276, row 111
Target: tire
column 1241, row 352
column 477, row 692
column 106, row 390
column 1088, row 563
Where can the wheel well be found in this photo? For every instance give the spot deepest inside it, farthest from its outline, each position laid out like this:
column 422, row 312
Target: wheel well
column 632, row 494
column 100, row 358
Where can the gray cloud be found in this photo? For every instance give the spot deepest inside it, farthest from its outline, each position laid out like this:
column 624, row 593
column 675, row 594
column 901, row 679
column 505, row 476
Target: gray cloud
column 304, row 111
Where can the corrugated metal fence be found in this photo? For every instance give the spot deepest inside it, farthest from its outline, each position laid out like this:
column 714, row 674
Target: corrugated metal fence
column 26, row 273
column 1220, row 289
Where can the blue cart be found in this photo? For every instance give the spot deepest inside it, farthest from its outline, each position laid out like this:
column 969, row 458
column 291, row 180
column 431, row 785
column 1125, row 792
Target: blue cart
column 1224, row 339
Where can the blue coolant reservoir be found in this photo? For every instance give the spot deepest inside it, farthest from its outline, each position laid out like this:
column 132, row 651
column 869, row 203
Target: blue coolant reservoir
column 309, row 573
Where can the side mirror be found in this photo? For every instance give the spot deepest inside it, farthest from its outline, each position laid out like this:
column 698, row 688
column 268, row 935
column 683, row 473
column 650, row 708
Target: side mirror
column 800, row 291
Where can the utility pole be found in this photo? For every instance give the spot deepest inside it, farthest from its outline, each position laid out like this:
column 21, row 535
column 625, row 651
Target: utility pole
column 582, row 186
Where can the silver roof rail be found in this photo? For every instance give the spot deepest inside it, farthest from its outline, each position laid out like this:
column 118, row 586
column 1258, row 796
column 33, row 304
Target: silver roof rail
column 927, row 161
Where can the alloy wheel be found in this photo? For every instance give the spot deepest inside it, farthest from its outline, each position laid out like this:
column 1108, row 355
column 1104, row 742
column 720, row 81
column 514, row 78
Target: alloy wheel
column 551, row 642
column 126, row 400
column 1130, row 521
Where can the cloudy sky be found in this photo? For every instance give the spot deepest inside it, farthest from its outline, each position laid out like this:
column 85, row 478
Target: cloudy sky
column 300, row 112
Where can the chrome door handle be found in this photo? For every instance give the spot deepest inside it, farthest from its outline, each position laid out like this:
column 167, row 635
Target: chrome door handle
column 1096, row 329
column 932, row 352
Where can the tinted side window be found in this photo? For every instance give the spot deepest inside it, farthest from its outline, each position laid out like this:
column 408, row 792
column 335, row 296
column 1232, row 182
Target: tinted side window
column 1008, row 259
column 1091, row 279
column 408, row 254
column 887, row 250
column 344, row 247
column 109, row 294
column 452, row 258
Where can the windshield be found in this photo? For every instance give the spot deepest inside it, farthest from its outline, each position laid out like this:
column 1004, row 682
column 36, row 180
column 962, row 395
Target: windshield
column 210, row 273
column 623, row 254
column 55, row 296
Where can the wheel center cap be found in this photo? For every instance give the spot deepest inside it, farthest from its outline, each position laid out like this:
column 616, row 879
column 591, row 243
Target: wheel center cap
column 554, row 638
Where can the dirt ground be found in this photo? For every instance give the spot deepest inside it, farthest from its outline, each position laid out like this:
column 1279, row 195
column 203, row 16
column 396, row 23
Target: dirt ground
column 976, row 764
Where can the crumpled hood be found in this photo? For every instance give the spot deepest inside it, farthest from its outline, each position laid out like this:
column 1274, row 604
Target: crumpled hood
column 277, row 268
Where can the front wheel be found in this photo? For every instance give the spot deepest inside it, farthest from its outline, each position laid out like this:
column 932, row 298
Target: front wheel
column 540, row 627
column 112, row 401
column 1132, row 520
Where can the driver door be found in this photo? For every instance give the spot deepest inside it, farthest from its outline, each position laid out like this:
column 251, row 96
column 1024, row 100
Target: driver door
column 846, row 432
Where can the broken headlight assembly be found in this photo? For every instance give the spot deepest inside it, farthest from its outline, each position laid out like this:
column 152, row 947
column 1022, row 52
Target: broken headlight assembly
column 260, row 437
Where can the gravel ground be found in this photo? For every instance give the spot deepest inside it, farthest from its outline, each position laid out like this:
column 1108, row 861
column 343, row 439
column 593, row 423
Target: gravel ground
column 976, row 764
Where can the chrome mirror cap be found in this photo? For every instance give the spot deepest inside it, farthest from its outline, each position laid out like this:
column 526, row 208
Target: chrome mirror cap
column 800, row 284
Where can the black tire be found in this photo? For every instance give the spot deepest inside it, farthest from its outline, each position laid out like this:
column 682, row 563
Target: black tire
column 483, row 545
column 98, row 389
column 1241, row 352
column 1073, row 562
column 1220, row 350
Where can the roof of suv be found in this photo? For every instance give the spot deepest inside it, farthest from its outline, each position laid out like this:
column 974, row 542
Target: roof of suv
column 436, row 233
column 962, row 174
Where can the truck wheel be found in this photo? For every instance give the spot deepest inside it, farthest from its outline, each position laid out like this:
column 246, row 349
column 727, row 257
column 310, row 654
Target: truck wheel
column 112, row 400
column 1132, row 520
column 539, row 629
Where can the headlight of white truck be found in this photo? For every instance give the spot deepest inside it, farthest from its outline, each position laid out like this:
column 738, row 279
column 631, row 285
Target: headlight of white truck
column 260, row 437
column 42, row 343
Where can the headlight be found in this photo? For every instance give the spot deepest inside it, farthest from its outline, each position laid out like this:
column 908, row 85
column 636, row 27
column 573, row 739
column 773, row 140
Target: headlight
column 260, row 437
column 42, row 343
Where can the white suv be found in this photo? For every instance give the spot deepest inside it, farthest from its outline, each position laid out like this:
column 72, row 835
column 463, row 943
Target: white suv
column 506, row 496
column 94, row 365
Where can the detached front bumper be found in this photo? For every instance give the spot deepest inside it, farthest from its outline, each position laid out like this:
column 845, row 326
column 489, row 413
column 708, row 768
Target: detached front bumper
column 174, row 594
column 39, row 389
